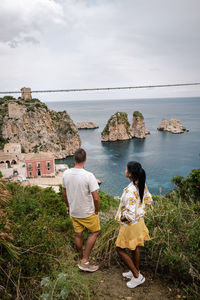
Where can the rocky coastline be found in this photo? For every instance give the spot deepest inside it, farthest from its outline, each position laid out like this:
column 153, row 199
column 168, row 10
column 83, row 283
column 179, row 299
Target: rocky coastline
column 37, row 128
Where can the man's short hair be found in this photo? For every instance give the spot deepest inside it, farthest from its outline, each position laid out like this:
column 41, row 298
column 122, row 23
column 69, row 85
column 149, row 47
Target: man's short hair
column 80, row 155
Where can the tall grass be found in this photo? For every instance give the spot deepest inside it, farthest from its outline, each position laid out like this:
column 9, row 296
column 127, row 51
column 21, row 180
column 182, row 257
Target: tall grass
column 37, row 255
column 174, row 225
column 43, row 234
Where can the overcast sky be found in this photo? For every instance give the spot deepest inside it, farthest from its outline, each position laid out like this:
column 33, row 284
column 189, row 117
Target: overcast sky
column 58, row 44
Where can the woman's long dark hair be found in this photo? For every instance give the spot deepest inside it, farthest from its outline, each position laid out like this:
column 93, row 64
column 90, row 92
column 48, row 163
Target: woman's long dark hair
column 138, row 176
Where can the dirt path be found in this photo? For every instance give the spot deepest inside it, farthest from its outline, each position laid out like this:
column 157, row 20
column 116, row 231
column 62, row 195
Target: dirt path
column 111, row 285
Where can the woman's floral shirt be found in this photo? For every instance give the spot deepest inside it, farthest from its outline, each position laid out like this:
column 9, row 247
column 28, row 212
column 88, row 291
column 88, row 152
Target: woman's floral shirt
column 131, row 206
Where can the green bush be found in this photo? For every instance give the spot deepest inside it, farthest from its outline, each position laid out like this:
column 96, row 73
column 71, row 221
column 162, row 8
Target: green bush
column 23, row 150
column 107, row 202
column 138, row 114
column 41, row 230
column 8, row 98
column 188, row 188
column 174, row 249
column 68, row 284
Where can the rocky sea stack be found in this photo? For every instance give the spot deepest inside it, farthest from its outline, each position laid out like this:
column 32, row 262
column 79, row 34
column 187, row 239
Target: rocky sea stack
column 87, row 125
column 30, row 123
column 174, row 126
column 117, row 128
column 138, row 126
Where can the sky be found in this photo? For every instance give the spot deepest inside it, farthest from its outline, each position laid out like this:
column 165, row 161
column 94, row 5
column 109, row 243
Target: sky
column 67, row 44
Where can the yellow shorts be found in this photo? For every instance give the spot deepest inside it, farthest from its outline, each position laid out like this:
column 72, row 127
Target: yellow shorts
column 92, row 223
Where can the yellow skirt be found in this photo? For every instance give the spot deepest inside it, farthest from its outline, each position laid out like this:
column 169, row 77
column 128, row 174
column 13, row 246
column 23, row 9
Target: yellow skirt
column 132, row 236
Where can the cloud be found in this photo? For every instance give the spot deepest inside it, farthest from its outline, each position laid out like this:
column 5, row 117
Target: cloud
column 22, row 21
column 48, row 44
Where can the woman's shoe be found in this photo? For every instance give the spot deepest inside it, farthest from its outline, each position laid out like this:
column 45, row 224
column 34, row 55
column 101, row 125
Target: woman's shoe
column 128, row 274
column 135, row 281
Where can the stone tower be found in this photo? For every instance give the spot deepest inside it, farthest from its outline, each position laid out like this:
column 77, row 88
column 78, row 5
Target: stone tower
column 26, row 93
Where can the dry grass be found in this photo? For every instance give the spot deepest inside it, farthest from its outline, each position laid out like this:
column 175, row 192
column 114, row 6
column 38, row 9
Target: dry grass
column 104, row 249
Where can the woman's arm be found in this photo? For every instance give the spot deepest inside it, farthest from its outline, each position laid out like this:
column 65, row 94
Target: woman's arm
column 128, row 214
column 147, row 196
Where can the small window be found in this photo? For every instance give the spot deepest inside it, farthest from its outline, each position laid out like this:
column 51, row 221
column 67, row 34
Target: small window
column 38, row 165
column 30, row 166
column 30, row 173
column 48, row 165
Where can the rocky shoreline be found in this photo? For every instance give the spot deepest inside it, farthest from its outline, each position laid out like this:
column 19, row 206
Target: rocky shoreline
column 37, row 128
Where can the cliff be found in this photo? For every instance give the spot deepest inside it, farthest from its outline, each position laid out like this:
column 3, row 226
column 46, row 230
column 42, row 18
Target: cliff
column 138, row 126
column 117, row 128
column 30, row 123
column 87, row 125
column 174, row 126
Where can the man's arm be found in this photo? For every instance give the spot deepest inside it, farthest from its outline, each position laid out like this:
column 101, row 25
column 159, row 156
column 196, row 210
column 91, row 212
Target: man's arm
column 96, row 201
column 65, row 198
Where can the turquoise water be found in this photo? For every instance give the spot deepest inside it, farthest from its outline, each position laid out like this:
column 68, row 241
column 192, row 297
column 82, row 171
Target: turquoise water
column 162, row 155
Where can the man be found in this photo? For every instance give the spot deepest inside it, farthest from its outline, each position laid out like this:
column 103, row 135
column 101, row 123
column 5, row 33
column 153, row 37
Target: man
column 82, row 201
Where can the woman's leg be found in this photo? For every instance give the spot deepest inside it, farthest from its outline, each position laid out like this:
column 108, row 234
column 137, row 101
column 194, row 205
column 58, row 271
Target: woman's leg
column 136, row 258
column 128, row 261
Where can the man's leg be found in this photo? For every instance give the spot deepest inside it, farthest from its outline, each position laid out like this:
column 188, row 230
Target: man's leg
column 89, row 245
column 79, row 243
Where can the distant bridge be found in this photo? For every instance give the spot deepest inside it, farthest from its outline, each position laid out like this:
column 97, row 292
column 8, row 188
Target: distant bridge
column 105, row 88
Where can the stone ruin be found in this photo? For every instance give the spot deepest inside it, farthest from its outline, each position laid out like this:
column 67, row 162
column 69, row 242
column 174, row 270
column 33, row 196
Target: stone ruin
column 26, row 93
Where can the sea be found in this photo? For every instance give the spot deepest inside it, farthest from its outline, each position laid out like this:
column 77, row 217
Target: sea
column 163, row 155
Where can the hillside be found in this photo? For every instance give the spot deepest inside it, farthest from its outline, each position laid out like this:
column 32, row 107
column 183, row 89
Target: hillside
column 43, row 264
column 37, row 128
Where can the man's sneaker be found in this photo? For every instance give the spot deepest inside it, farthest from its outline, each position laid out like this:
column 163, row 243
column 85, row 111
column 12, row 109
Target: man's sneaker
column 87, row 267
column 128, row 274
column 135, row 281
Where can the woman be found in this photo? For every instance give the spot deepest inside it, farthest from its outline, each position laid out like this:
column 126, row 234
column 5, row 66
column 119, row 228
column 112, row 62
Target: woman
column 133, row 231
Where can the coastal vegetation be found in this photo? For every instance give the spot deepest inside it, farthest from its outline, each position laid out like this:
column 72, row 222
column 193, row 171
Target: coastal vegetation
column 37, row 256
column 138, row 114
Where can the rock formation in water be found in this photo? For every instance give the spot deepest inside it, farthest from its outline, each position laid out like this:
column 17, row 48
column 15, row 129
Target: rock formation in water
column 138, row 126
column 30, row 123
column 87, row 125
column 174, row 126
column 117, row 128
column 163, row 125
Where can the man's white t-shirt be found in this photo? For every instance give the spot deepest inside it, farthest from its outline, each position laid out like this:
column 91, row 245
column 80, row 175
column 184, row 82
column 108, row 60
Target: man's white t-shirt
column 79, row 185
